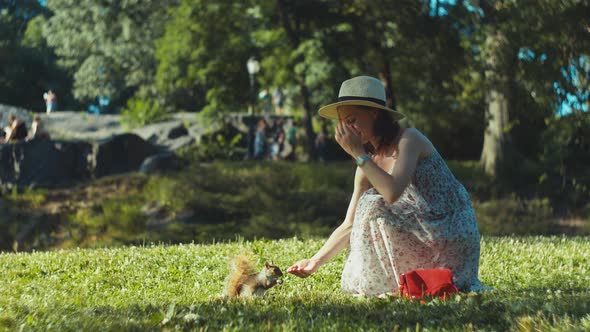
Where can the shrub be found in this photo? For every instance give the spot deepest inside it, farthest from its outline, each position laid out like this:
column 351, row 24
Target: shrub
column 141, row 111
column 565, row 159
column 514, row 215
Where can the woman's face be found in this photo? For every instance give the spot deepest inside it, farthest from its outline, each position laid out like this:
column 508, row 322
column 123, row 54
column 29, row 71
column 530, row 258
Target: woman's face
column 359, row 118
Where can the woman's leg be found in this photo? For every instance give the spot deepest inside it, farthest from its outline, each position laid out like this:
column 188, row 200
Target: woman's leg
column 383, row 244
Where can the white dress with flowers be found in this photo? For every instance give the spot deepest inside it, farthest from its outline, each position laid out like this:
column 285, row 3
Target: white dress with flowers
column 432, row 225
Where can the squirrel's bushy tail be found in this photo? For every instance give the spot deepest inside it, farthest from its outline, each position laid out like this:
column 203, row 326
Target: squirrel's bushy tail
column 242, row 268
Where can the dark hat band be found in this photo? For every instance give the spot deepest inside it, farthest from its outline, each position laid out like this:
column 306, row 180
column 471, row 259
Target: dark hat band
column 374, row 100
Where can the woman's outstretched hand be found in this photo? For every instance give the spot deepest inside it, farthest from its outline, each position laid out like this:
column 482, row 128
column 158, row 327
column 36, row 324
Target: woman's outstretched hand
column 304, row 268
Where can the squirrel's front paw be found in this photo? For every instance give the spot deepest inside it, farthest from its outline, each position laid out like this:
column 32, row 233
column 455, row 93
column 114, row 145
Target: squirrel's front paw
column 279, row 281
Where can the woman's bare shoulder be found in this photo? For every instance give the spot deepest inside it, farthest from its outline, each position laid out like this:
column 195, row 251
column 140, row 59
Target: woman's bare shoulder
column 418, row 140
column 412, row 133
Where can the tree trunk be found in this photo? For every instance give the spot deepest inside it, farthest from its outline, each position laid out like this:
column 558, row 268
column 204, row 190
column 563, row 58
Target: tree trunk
column 496, row 153
column 307, row 120
column 385, row 76
column 436, row 8
column 495, row 137
column 294, row 38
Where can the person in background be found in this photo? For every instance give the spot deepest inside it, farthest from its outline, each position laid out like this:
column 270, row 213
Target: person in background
column 50, row 101
column 260, row 140
column 278, row 100
column 265, row 101
column 2, row 132
column 16, row 130
column 38, row 129
column 289, row 150
column 278, row 140
column 320, row 142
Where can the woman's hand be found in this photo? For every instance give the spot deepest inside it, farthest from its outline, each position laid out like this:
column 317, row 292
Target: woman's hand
column 304, row 268
column 349, row 139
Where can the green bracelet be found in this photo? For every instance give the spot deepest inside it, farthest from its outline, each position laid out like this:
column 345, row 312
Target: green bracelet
column 360, row 161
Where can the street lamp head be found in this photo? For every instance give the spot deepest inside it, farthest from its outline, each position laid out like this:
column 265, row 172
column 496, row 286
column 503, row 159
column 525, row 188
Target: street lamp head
column 253, row 66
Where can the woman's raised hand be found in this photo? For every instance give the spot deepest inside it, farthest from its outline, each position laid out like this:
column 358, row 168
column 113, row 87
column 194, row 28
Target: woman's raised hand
column 304, row 268
column 349, row 139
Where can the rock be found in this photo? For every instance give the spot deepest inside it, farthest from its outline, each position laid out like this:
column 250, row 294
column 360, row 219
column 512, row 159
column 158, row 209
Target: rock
column 43, row 163
column 169, row 135
column 181, row 142
column 163, row 134
column 81, row 126
column 51, row 164
column 20, row 113
column 166, row 161
column 119, row 154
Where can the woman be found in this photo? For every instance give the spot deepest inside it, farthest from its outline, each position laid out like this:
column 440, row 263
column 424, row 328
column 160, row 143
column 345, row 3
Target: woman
column 407, row 210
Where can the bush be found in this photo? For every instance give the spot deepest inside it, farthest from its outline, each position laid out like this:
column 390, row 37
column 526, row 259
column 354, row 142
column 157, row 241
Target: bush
column 514, row 215
column 141, row 111
column 215, row 147
column 121, row 220
column 565, row 159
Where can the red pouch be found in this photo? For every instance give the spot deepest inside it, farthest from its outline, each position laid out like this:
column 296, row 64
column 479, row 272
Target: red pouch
column 416, row 284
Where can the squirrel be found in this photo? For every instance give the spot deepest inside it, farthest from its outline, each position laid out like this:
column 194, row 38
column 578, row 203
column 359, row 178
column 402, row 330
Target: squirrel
column 244, row 282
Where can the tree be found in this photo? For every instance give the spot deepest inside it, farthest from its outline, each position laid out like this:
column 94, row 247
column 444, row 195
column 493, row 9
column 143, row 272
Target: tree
column 554, row 30
column 202, row 56
column 420, row 58
column 27, row 64
column 107, row 46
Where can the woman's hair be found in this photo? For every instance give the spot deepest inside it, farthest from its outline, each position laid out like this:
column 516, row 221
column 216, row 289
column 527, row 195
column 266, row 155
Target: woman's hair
column 384, row 127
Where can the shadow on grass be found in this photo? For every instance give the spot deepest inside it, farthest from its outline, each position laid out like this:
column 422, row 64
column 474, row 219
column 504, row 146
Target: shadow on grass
column 498, row 310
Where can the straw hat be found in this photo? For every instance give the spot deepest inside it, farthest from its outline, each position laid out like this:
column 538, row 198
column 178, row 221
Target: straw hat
column 362, row 91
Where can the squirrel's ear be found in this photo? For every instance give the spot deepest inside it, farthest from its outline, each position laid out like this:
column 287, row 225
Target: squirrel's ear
column 268, row 264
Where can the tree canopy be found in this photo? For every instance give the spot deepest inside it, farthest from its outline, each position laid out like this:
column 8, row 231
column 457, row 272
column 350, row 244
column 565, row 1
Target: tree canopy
column 483, row 79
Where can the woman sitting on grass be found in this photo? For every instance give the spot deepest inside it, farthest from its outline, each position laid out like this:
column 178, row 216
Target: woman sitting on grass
column 407, row 210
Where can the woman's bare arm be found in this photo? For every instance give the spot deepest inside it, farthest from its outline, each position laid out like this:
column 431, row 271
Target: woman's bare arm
column 339, row 239
column 391, row 186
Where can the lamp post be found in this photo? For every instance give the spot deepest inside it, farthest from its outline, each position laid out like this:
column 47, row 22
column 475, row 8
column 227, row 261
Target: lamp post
column 253, row 68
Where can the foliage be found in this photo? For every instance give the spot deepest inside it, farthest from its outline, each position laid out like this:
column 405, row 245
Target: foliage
column 514, row 215
column 519, row 66
column 541, row 283
column 215, row 147
column 106, row 46
column 142, row 111
column 217, row 201
column 191, row 55
column 565, row 157
column 27, row 65
column 202, row 56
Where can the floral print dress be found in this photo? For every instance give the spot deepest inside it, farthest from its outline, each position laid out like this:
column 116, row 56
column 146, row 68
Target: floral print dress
column 432, row 225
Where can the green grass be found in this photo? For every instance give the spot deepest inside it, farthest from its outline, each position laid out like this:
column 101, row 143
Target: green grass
column 541, row 284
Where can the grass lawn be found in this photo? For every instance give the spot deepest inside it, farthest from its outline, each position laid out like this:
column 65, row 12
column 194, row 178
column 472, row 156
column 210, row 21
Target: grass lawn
column 541, row 283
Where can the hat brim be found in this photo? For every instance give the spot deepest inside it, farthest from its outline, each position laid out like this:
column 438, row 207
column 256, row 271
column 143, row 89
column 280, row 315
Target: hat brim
column 331, row 111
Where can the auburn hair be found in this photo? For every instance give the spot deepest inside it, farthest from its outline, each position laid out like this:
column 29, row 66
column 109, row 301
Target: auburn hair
column 386, row 128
